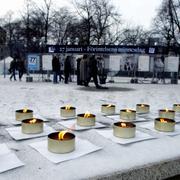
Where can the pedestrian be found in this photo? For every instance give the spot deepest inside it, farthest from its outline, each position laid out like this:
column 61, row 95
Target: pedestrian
column 159, row 69
column 55, row 68
column 79, row 81
column 20, row 68
column 67, row 69
column 12, row 69
column 60, row 71
column 93, row 72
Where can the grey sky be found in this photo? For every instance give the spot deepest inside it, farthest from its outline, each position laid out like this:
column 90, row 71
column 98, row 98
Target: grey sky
column 135, row 12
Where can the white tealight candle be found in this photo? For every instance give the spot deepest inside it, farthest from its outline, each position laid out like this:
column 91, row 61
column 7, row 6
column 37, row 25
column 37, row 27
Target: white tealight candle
column 124, row 129
column 127, row 114
column 164, row 124
column 86, row 119
column 108, row 109
column 24, row 114
column 142, row 108
column 61, row 142
column 166, row 113
column 32, row 126
column 176, row 108
column 68, row 111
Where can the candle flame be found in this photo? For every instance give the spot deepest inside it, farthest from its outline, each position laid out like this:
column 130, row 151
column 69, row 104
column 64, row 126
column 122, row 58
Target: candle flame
column 61, row 135
column 142, row 105
column 128, row 110
column 68, row 107
column 87, row 114
column 25, row 110
column 123, row 125
column 166, row 109
column 163, row 121
column 109, row 105
column 33, row 121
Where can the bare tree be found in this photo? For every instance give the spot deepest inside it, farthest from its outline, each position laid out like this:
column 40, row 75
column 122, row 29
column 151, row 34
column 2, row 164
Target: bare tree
column 86, row 11
column 61, row 20
column 167, row 21
column 97, row 17
column 133, row 36
column 48, row 4
column 104, row 18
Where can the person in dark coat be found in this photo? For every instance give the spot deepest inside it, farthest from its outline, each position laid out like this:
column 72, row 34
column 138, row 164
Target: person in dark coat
column 20, row 68
column 67, row 68
column 79, row 81
column 93, row 71
column 84, row 69
column 55, row 68
column 12, row 69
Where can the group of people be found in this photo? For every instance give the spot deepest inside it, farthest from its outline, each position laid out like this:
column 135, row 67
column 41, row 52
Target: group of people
column 87, row 68
column 56, row 68
column 17, row 64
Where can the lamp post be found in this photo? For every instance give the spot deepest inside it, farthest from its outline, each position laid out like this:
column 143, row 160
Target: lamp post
column 42, row 45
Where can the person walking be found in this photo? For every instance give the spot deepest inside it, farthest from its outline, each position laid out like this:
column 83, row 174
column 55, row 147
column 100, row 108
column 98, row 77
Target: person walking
column 93, row 72
column 12, row 69
column 20, row 68
column 84, row 70
column 67, row 69
column 55, row 68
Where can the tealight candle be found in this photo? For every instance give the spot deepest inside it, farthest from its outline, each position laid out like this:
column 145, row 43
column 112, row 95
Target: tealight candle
column 108, row 109
column 142, row 108
column 32, row 126
column 176, row 107
column 124, row 129
column 68, row 111
column 164, row 124
column 61, row 142
column 24, row 114
column 166, row 113
column 127, row 114
column 86, row 119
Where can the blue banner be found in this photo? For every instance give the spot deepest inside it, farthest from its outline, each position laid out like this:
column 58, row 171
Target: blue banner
column 33, row 62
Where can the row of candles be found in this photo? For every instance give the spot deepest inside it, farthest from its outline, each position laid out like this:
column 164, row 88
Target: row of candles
column 64, row 141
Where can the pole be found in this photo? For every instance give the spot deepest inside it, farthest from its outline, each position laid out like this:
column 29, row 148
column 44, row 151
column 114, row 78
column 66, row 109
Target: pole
column 4, row 68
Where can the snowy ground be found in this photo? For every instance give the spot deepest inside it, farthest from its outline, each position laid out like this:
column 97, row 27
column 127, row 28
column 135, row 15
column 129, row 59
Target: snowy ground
column 46, row 98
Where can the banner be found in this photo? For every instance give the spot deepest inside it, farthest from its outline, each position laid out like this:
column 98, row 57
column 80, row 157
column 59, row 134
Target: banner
column 143, row 63
column 47, row 62
column 172, row 64
column 103, row 49
column 33, row 62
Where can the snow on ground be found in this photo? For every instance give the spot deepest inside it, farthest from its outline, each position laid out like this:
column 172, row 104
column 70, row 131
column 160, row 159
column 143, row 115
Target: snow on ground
column 45, row 98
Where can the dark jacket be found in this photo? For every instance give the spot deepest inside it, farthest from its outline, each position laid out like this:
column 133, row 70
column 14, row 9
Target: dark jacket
column 13, row 65
column 67, row 65
column 20, row 66
column 93, row 65
column 55, row 64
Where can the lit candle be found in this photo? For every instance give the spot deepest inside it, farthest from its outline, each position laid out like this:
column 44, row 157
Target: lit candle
column 108, row 109
column 23, row 114
column 142, row 108
column 127, row 114
column 124, row 129
column 68, row 111
column 61, row 142
column 164, row 124
column 166, row 113
column 86, row 119
column 32, row 126
column 176, row 108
